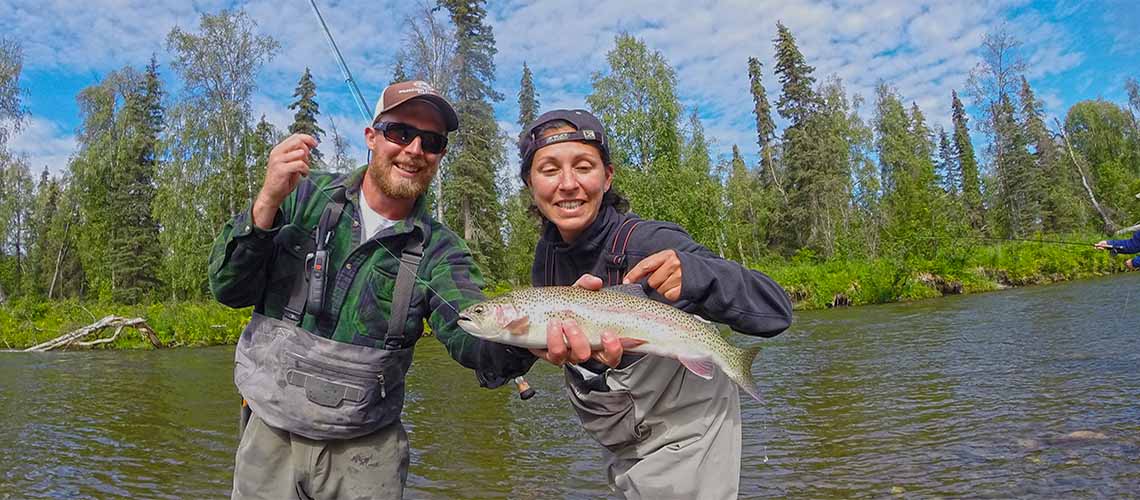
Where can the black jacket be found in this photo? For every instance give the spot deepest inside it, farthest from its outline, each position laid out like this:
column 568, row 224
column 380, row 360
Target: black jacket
column 714, row 288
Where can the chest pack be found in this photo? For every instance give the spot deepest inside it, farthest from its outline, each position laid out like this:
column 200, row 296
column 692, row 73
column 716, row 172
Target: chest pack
column 308, row 384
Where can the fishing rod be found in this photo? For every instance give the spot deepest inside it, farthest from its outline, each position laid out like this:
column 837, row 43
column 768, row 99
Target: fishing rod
column 524, row 389
column 1113, row 248
column 360, row 103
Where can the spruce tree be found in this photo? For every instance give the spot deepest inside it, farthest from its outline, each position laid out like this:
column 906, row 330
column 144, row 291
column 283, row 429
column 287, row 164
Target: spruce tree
column 967, row 164
column 910, row 193
column 1016, row 191
column 305, row 119
column 765, row 128
column 471, row 191
column 528, row 98
column 798, row 97
column 948, row 170
column 1056, row 189
column 522, row 226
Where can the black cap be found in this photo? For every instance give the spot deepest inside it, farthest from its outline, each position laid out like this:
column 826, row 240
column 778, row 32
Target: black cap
column 589, row 130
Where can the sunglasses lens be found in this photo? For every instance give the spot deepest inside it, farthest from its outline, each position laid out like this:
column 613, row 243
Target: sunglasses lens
column 403, row 135
column 399, row 134
column 432, row 142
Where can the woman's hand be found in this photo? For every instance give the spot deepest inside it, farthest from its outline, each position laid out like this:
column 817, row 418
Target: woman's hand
column 664, row 271
column 566, row 342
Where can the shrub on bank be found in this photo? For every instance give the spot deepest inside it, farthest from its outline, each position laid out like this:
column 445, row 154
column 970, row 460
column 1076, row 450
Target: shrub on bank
column 812, row 284
column 966, row 268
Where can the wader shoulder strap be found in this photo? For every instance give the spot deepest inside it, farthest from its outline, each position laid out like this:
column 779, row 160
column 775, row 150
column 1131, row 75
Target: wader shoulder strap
column 310, row 298
column 405, row 279
column 616, row 260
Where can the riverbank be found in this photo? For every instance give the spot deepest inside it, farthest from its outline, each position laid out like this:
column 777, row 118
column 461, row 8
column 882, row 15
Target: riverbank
column 960, row 269
column 812, row 285
column 24, row 323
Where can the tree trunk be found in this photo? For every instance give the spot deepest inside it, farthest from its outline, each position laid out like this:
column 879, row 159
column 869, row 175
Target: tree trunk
column 439, row 196
column 59, row 257
column 468, row 226
column 1109, row 226
column 771, row 168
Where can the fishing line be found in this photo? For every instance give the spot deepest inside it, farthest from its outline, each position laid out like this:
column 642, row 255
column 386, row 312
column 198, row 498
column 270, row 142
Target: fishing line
column 1113, row 248
column 363, row 108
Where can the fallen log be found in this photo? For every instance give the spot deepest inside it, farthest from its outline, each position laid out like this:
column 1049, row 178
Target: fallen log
column 116, row 322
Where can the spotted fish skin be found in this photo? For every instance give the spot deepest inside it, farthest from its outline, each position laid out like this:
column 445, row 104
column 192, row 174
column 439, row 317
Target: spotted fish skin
column 520, row 317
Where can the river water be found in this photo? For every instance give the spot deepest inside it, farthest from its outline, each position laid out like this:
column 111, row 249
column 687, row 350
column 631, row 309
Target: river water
column 975, row 396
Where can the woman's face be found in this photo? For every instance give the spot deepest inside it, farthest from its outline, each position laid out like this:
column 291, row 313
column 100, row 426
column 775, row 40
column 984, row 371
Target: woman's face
column 568, row 181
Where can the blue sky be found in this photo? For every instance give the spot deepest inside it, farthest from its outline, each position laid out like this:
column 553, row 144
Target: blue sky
column 1076, row 50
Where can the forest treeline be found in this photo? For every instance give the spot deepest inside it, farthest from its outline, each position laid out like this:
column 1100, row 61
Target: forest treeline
column 130, row 218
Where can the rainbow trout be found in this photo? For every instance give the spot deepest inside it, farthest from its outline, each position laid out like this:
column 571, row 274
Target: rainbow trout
column 643, row 325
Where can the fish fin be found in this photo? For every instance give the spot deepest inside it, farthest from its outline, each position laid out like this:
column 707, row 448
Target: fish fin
column 634, row 289
column 700, row 366
column 721, row 329
column 630, row 342
column 752, row 391
column 518, row 326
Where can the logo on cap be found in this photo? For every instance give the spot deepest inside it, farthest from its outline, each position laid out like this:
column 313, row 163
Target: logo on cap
column 556, row 138
column 419, row 87
column 588, row 135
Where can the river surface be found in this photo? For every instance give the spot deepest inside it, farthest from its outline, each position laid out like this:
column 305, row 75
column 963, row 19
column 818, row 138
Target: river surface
column 974, row 396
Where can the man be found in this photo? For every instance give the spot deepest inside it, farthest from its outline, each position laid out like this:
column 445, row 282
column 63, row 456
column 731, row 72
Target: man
column 1129, row 246
column 342, row 271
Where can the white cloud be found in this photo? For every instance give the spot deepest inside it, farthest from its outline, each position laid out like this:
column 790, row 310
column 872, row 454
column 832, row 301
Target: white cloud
column 925, row 48
column 44, row 144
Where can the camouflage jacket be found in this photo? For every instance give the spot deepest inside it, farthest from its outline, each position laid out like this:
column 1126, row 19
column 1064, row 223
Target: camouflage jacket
column 251, row 266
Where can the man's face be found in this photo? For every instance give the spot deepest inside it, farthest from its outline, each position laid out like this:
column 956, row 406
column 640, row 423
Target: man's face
column 568, row 181
column 404, row 171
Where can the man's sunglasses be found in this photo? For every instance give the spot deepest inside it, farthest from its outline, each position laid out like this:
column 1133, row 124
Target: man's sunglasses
column 402, row 134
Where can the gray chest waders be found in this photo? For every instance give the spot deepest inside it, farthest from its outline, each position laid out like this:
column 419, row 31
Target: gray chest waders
column 305, row 382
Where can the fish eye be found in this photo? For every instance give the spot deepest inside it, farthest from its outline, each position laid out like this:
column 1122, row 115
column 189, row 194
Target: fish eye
column 479, row 309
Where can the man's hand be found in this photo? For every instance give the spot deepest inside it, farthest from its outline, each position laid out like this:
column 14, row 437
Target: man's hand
column 1102, row 245
column 1128, row 264
column 664, row 271
column 288, row 163
column 566, row 342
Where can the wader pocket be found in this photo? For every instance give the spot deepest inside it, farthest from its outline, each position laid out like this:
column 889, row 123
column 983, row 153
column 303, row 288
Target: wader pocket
column 330, row 386
column 608, row 416
column 317, row 387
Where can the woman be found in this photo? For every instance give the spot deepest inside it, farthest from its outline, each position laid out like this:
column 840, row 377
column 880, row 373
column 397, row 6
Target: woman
column 670, row 433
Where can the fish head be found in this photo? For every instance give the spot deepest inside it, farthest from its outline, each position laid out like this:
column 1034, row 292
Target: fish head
column 494, row 319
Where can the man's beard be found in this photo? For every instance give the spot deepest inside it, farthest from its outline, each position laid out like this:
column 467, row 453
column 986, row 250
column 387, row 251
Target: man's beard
column 399, row 188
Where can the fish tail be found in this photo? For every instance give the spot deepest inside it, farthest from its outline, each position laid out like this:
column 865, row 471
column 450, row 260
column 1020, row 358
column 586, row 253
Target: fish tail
column 740, row 369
